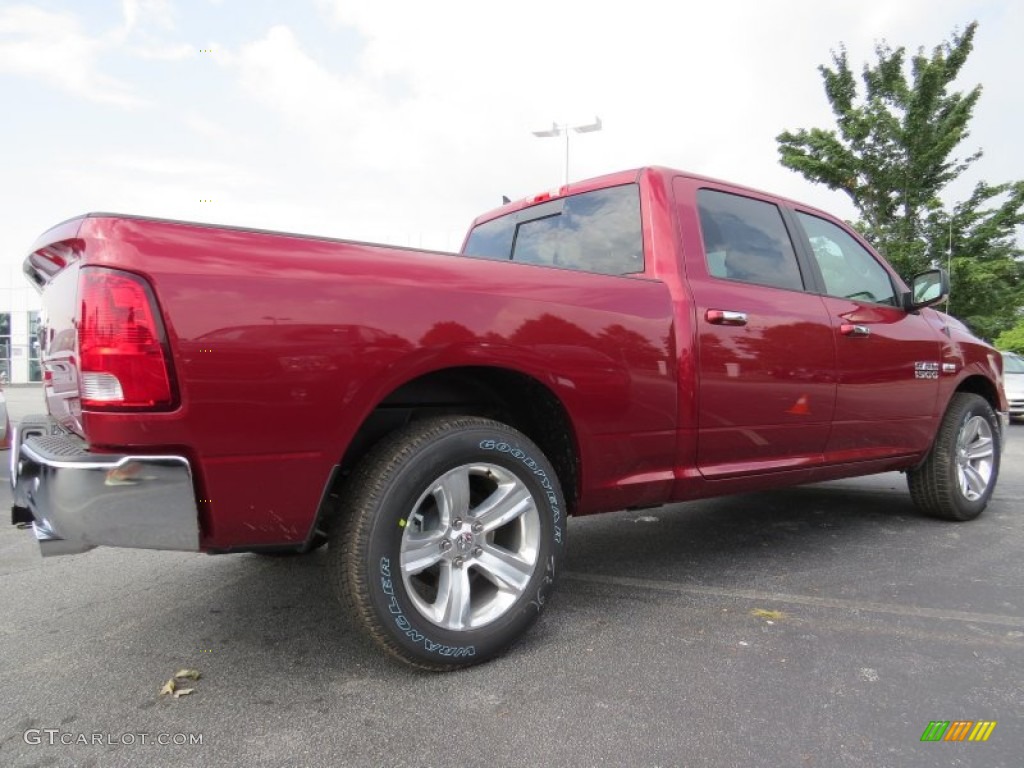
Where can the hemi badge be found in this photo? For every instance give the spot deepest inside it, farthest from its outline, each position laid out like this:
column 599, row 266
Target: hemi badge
column 949, row 367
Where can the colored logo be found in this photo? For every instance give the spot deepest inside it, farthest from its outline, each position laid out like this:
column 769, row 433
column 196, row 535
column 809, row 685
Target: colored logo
column 958, row 730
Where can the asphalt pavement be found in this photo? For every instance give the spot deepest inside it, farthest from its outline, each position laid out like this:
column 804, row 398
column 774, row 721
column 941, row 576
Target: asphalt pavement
column 820, row 626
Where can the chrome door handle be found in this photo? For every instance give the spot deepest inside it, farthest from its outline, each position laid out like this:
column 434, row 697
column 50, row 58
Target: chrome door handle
column 725, row 317
column 849, row 329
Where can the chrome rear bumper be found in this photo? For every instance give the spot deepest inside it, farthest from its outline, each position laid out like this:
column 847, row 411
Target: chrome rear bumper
column 76, row 500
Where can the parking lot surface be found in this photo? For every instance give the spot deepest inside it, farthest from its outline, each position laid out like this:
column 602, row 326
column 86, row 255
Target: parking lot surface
column 820, row 626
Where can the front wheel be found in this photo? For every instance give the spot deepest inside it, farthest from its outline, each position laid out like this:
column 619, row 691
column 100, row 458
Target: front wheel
column 450, row 536
column 959, row 475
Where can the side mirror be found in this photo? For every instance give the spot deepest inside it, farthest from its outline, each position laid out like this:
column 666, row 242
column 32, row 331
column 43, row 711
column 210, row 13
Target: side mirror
column 926, row 288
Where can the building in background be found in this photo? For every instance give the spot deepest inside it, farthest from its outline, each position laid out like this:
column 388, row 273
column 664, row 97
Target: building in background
column 19, row 326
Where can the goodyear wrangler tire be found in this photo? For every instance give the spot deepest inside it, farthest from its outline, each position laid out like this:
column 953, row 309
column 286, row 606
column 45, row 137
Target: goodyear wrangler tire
column 450, row 537
column 957, row 478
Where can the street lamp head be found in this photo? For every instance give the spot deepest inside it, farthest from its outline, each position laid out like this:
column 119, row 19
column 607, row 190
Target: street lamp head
column 590, row 127
column 563, row 129
column 555, row 130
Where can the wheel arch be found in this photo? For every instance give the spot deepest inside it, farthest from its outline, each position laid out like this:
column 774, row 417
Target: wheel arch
column 520, row 400
column 982, row 386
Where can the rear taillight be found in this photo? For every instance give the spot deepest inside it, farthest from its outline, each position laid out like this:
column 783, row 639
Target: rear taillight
column 121, row 343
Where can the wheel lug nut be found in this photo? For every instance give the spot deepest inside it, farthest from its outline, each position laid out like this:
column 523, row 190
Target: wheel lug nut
column 477, row 552
column 445, row 545
column 477, row 527
column 458, row 562
column 457, row 523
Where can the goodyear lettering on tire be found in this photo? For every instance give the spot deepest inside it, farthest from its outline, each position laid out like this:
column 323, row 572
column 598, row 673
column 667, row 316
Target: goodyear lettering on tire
column 542, row 477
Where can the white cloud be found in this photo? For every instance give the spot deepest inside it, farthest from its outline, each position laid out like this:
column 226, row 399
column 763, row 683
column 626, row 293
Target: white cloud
column 51, row 46
column 139, row 17
column 206, row 128
column 348, row 121
column 130, row 11
column 145, row 12
column 165, row 165
column 158, row 52
column 277, row 72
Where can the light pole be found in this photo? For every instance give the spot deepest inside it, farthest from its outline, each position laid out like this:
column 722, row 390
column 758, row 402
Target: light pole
column 564, row 128
column 949, row 262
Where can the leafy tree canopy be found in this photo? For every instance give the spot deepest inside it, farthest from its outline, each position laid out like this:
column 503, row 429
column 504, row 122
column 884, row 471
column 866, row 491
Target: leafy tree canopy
column 893, row 151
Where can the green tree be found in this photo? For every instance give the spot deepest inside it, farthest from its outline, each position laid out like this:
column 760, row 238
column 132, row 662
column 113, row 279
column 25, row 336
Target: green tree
column 986, row 271
column 893, row 153
column 1012, row 340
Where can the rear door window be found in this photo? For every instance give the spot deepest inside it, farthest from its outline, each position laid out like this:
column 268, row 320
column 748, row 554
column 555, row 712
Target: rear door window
column 597, row 231
column 746, row 240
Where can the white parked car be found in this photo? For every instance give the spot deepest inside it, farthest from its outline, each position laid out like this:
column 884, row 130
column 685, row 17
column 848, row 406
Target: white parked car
column 1013, row 381
column 5, row 424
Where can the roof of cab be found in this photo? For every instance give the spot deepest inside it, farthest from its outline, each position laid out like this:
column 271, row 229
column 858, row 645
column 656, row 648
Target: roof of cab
column 628, row 177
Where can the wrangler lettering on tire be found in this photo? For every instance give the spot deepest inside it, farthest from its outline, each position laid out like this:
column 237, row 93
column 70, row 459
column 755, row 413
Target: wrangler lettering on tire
column 449, row 540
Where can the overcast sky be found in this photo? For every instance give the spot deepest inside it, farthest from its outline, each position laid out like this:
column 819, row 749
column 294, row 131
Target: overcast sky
column 400, row 121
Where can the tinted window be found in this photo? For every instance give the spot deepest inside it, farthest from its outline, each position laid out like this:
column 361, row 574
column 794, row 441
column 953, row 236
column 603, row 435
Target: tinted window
column 746, row 240
column 596, row 231
column 492, row 239
column 849, row 269
column 539, row 241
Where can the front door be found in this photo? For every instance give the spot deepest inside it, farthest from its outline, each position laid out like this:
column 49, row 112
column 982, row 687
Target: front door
column 888, row 360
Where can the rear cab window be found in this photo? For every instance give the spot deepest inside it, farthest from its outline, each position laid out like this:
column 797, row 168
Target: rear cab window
column 597, row 231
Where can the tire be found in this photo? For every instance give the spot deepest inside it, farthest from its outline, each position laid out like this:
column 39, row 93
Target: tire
column 450, row 536
column 958, row 477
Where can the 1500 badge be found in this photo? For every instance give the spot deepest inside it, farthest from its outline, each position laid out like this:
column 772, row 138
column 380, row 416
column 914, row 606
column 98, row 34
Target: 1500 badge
column 926, row 370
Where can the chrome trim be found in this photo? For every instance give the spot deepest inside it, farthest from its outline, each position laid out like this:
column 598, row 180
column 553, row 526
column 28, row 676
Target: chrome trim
column 725, row 317
column 27, row 427
column 858, row 331
column 80, row 500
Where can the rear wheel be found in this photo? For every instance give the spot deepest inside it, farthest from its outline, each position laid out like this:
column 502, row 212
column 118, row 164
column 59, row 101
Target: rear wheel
column 450, row 536
column 957, row 479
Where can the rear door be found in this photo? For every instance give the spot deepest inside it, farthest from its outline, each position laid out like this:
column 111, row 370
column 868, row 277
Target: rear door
column 888, row 360
column 765, row 345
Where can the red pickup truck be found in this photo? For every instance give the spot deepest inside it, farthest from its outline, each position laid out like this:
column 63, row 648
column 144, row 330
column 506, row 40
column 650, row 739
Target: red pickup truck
column 633, row 340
